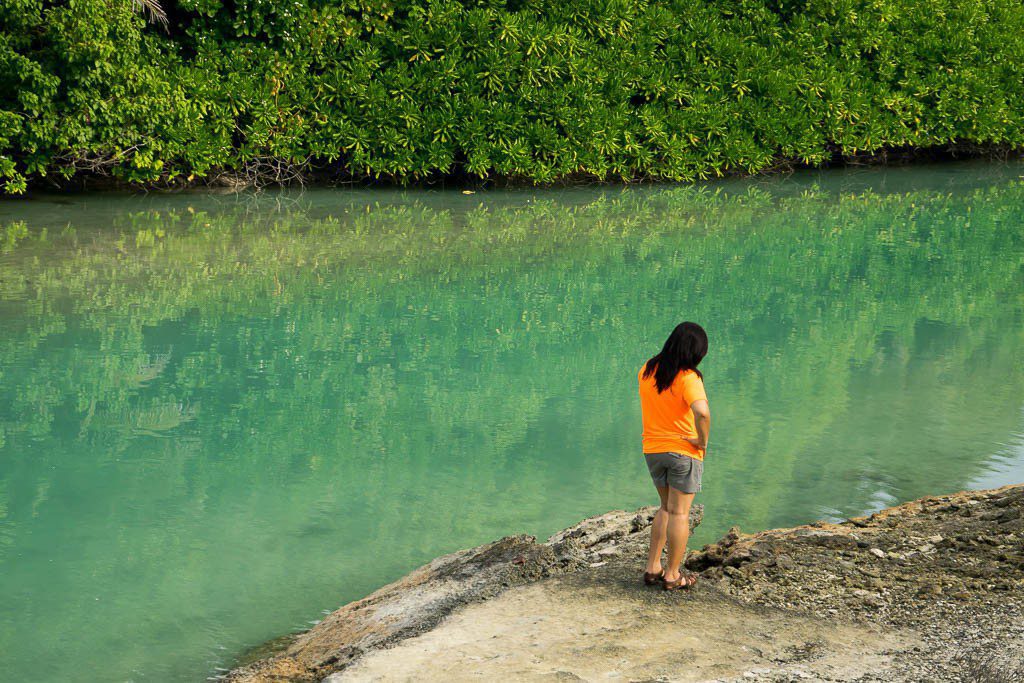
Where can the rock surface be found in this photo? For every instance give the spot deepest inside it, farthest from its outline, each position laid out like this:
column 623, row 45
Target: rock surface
column 932, row 590
column 603, row 624
column 950, row 568
column 420, row 600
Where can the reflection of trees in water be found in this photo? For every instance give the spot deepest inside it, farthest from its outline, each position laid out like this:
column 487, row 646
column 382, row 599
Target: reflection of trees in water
column 149, row 418
column 323, row 345
column 147, row 368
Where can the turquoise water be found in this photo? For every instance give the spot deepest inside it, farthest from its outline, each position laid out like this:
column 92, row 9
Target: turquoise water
column 222, row 415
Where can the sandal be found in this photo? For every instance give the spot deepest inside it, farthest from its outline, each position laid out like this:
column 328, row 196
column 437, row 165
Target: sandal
column 684, row 582
column 651, row 579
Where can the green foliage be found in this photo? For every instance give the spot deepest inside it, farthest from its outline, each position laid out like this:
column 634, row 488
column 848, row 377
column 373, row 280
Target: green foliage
column 533, row 90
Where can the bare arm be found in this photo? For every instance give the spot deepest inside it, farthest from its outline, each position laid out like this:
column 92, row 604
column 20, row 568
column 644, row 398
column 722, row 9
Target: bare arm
column 702, row 421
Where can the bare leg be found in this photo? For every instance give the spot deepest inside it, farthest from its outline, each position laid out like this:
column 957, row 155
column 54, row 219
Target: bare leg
column 677, row 512
column 658, row 534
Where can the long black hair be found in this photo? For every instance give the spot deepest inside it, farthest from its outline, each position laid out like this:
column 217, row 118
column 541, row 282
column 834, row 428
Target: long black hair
column 684, row 349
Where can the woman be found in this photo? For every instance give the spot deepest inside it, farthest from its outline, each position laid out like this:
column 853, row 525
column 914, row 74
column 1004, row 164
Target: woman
column 676, row 421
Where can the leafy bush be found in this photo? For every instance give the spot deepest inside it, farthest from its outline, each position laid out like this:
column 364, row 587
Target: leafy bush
column 535, row 90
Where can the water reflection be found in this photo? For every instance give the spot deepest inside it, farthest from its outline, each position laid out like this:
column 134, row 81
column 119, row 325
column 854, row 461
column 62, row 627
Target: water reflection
column 221, row 416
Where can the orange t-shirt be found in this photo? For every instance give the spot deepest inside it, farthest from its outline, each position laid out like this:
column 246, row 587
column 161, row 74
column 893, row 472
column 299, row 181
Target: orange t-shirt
column 667, row 416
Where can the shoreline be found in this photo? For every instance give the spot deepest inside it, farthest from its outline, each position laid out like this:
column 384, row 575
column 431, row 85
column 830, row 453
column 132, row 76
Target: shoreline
column 932, row 588
column 233, row 181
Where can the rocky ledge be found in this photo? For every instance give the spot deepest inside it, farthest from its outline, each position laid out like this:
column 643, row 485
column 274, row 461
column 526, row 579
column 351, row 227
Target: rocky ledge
column 929, row 590
column 419, row 601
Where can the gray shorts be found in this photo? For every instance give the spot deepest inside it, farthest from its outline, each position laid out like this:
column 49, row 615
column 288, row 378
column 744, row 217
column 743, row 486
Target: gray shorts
column 679, row 471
